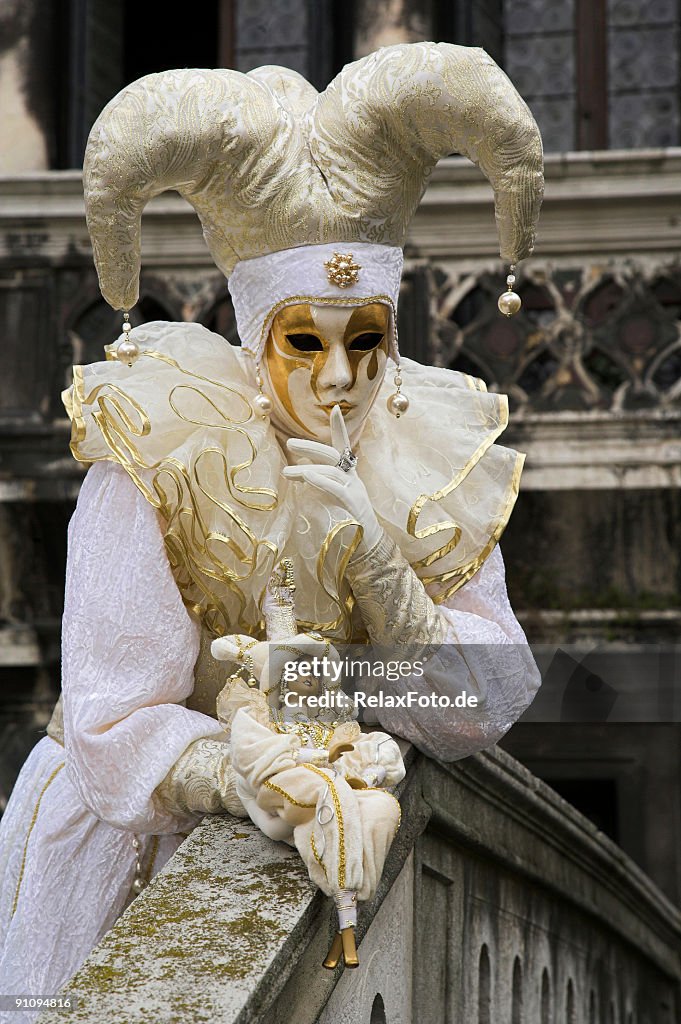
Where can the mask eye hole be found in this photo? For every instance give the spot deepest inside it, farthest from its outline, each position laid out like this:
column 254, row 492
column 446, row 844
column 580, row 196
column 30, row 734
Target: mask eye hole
column 305, row 342
column 365, row 342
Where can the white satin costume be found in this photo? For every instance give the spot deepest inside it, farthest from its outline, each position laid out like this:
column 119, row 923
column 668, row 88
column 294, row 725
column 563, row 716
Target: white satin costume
column 184, row 511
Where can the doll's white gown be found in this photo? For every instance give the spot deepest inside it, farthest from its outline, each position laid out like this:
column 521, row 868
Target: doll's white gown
column 129, row 651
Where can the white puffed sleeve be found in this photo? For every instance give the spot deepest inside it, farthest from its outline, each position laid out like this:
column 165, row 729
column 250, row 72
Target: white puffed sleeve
column 482, row 652
column 128, row 653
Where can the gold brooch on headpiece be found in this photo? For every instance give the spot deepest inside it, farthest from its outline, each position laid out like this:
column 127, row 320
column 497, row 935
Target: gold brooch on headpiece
column 342, row 270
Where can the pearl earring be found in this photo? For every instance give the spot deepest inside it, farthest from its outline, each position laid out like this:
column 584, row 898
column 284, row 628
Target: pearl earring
column 128, row 350
column 262, row 403
column 397, row 403
column 509, row 301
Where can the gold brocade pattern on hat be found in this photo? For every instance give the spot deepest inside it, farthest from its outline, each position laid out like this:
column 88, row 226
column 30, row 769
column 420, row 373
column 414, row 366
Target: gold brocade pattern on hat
column 180, row 422
column 270, row 164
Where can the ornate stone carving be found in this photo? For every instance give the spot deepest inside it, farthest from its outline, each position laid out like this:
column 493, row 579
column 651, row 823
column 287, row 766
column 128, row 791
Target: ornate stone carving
column 589, row 338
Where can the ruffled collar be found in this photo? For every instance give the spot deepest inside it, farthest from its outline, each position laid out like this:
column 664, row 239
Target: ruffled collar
column 180, row 422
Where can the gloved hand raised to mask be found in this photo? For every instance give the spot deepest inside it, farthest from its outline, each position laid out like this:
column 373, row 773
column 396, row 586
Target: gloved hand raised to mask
column 324, row 473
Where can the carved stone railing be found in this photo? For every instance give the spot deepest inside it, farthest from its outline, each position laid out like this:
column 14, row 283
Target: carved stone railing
column 499, row 902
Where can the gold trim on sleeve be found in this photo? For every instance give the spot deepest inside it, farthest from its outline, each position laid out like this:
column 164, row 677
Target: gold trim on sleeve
column 315, row 854
column 287, row 796
column 152, row 858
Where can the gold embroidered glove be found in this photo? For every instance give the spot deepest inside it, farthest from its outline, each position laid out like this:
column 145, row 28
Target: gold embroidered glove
column 394, row 604
column 202, row 781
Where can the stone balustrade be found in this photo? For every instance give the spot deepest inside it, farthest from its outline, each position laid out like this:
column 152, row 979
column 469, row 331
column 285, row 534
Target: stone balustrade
column 499, row 903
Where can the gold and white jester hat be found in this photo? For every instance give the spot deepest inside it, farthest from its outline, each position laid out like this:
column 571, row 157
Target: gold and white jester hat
column 307, row 196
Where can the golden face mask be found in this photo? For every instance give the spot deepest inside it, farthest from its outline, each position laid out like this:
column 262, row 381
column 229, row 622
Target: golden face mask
column 320, row 356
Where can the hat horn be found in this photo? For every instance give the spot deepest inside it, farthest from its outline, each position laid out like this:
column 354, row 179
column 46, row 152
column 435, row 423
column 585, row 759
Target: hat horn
column 269, row 164
column 403, row 108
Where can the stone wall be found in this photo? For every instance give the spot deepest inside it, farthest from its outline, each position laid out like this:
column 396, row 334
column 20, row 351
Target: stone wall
column 644, row 73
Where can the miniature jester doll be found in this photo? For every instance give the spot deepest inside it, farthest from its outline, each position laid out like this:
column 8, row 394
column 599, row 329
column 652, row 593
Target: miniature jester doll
column 377, row 477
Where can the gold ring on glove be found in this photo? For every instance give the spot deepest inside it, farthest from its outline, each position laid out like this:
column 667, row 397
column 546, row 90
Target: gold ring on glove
column 347, row 461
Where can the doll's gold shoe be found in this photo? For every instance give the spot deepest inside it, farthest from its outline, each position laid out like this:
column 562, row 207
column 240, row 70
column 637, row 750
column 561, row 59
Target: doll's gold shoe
column 343, row 942
column 344, row 939
column 334, row 954
column 336, row 749
column 349, row 948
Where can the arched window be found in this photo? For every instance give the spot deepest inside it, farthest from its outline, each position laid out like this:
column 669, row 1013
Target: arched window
column 219, row 317
column 378, row 1010
column 570, row 1017
column 484, row 988
column 517, row 994
column 545, row 1009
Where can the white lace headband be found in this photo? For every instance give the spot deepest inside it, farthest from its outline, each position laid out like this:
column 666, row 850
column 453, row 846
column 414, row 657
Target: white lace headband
column 343, row 273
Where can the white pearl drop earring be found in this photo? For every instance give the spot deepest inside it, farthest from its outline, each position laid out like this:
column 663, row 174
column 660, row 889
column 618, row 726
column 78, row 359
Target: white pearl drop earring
column 397, row 403
column 128, row 350
column 262, row 403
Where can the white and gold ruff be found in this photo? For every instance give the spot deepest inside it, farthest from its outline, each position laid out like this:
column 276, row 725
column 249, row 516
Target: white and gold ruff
column 181, row 423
